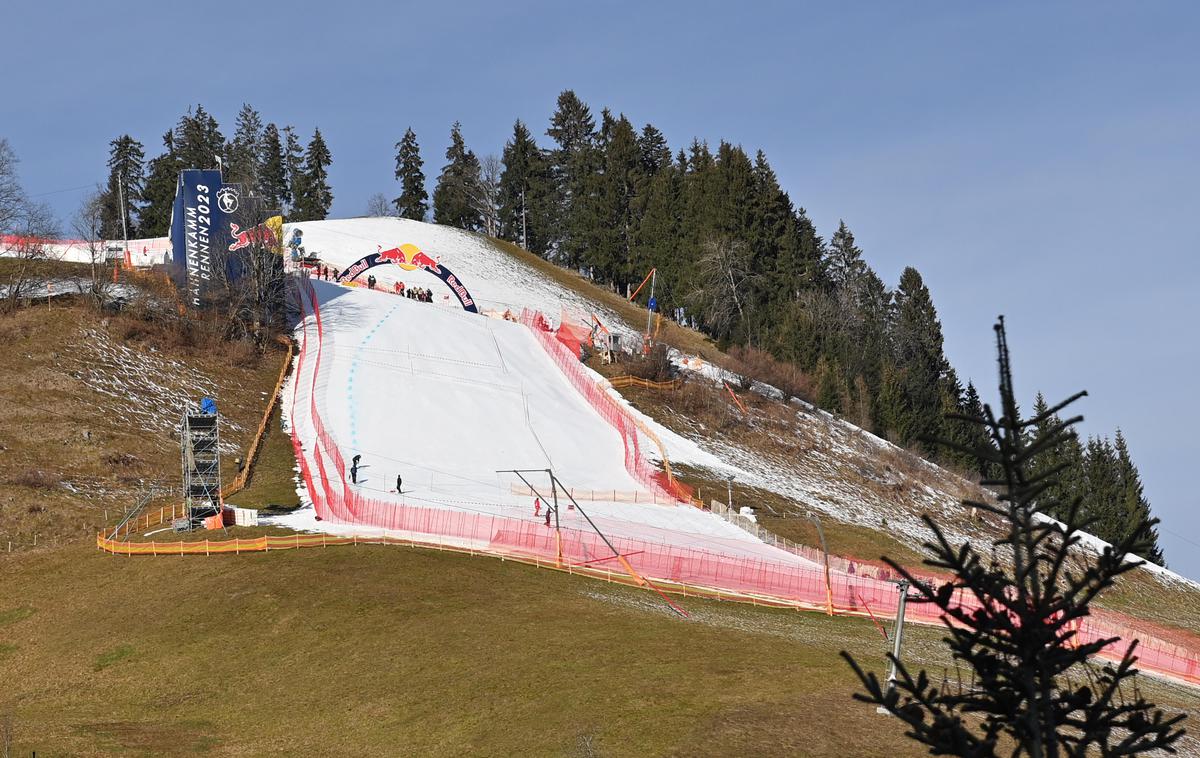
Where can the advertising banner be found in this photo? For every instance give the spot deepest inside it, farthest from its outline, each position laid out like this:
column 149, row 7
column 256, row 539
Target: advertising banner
column 411, row 258
column 200, row 232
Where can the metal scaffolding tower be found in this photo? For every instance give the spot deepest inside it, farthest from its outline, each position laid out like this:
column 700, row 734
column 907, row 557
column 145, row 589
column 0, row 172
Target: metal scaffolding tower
column 200, row 441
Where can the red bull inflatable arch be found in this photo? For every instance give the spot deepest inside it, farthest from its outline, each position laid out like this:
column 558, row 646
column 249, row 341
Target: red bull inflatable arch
column 410, row 258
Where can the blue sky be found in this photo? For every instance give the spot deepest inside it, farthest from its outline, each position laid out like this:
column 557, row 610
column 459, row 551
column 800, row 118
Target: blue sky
column 984, row 143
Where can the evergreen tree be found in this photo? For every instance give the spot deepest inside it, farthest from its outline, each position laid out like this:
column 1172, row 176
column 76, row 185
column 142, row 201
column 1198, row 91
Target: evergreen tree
column 657, row 239
column 844, row 262
column 273, row 173
column 159, row 193
column 293, row 160
column 616, row 198
column 653, row 150
column 526, row 193
column 198, row 140
column 574, row 164
column 453, row 197
column 1133, row 506
column 413, row 201
column 919, row 357
column 245, row 151
column 126, row 181
column 1015, row 627
column 316, row 197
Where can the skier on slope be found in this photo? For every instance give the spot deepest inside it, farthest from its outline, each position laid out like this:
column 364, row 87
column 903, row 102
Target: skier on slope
column 399, row 484
column 354, row 473
column 537, row 507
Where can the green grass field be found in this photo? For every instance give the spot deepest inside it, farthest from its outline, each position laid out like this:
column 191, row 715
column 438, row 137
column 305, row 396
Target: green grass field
column 390, row 650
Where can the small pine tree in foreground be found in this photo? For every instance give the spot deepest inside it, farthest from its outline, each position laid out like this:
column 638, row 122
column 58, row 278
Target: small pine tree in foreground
column 1036, row 692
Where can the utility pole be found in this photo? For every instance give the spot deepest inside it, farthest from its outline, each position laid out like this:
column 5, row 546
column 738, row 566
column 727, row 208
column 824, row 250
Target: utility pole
column 825, row 551
column 524, row 235
column 898, row 640
column 650, row 302
column 124, row 230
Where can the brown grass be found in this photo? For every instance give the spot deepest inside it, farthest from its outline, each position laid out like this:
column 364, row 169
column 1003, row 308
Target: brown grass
column 36, row 479
column 47, row 408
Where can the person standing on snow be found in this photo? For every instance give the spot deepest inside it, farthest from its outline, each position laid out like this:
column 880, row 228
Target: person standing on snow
column 537, row 507
column 354, row 473
column 399, row 484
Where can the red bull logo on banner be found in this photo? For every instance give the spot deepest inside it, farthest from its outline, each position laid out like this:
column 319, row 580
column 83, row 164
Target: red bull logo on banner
column 261, row 234
column 411, row 258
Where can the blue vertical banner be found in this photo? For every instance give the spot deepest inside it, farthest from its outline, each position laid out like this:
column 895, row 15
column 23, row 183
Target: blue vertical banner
column 200, row 232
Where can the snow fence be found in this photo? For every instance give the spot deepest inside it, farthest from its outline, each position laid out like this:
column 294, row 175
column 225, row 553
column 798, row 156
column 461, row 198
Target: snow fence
column 673, row 567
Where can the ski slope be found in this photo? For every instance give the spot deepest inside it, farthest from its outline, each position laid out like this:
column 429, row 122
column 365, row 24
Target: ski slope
column 497, row 281
column 446, row 399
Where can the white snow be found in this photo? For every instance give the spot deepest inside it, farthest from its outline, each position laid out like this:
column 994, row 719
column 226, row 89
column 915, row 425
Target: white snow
column 446, row 398
column 825, row 464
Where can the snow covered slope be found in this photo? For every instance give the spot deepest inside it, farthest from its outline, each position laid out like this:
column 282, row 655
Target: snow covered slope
column 496, row 281
column 444, row 399
column 822, row 462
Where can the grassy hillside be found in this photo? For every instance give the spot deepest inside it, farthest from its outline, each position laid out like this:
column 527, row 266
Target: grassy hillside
column 89, row 403
column 388, row 650
column 774, row 430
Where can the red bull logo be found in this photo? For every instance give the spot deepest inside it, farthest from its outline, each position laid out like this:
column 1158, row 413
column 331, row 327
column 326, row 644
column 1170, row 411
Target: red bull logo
column 410, row 258
column 261, row 234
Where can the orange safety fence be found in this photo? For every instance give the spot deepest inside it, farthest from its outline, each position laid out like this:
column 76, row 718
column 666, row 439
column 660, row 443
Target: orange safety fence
column 627, row 380
column 603, row 496
column 672, row 567
column 603, row 403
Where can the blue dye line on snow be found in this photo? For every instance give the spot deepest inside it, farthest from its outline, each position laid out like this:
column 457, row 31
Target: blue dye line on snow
column 353, row 369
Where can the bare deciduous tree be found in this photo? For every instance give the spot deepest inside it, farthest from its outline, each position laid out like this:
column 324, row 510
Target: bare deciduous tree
column 87, row 225
column 485, row 195
column 379, row 206
column 24, row 226
column 725, row 276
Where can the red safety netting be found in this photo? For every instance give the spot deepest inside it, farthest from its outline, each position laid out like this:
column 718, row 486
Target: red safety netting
column 617, row 417
column 769, row 581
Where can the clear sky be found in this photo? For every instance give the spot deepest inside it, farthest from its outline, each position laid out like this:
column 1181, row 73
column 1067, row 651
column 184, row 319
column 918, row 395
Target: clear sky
column 984, row 143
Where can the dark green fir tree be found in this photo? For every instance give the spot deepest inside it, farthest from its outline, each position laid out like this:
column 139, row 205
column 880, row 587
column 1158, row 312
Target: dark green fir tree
column 272, row 173
column 453, row 196
column 316, row 198
column 1012, row 624
column 413, row 202
column 124, row 189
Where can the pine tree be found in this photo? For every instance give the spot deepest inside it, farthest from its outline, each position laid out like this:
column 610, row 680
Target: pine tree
column 656, row 241
column 159, row 193
column 127, row 182
column 573, row 166
column 844, row 261
column 526, row 193
column 245, row 151
column 198, row 140
column 272, row 175
column 452, row 198
column 653, row 150
column 1133, row 506
column 413, row 202
column 293, row 160
column 1018, row 636
column 316, row 197
column 919, row 357
column 617, row 190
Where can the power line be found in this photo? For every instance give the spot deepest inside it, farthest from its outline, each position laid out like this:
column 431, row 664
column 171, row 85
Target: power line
column 60, row 191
